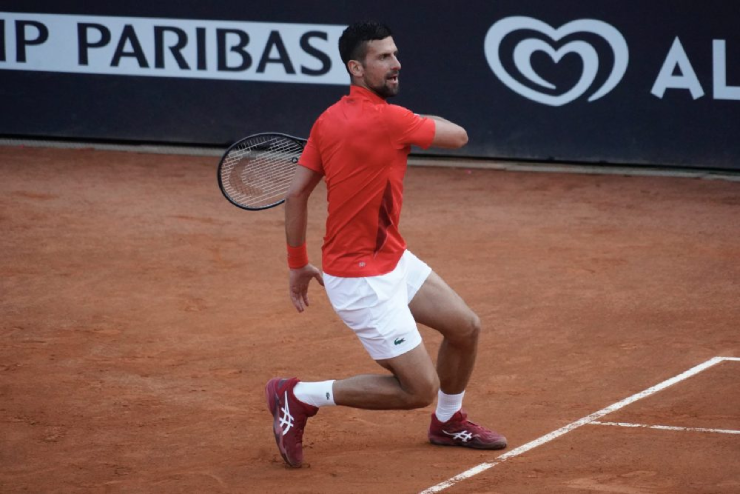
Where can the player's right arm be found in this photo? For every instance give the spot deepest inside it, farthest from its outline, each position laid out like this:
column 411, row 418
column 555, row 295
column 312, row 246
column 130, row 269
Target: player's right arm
column 447, row 135
column 296, row 205
column 296, row 220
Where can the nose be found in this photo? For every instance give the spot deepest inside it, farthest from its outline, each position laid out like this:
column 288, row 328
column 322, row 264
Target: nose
column 396, row 63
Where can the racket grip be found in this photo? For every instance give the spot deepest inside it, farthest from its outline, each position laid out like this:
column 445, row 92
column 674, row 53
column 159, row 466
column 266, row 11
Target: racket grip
column 297, row 256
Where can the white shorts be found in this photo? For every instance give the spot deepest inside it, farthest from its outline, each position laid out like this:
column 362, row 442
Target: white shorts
column 377, row 307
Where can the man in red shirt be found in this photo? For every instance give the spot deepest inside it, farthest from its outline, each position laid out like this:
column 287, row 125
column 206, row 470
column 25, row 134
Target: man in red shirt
column 381, row 290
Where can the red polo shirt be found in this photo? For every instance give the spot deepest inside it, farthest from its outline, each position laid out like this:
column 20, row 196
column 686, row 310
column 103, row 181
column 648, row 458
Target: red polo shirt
column 361, row 144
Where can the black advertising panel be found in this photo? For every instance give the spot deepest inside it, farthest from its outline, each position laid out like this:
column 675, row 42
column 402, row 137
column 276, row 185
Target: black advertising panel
column 655, row 83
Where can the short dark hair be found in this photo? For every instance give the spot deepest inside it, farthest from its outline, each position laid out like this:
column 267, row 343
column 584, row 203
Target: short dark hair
column 353, row 42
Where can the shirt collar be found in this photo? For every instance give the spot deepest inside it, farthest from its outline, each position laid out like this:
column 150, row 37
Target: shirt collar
column 366, row 94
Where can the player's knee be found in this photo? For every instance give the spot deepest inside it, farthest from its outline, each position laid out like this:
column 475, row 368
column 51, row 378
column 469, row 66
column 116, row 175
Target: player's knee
column 474, row 326
column 425, row 393
column 468, row 332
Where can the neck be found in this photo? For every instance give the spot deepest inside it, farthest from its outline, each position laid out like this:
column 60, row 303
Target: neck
column 361, row 83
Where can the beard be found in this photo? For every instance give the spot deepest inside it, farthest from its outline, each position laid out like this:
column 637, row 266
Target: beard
column 386, row 88
column 388, row 91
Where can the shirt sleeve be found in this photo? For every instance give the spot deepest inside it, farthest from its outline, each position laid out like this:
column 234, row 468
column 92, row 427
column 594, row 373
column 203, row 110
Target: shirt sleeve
column 407, row 128
column 311, row 157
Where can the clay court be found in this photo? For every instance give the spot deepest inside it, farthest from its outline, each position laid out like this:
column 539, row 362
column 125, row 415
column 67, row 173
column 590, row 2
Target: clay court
column 142, row 315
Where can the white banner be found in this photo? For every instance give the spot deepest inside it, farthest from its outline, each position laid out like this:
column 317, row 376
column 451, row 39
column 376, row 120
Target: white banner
column 198, row 49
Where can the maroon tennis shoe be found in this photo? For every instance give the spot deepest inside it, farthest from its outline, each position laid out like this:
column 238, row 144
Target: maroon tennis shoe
column 459, row 431
column 289, row 418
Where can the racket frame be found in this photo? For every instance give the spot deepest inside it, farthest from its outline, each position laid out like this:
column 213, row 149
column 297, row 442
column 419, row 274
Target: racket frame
column 299, row 140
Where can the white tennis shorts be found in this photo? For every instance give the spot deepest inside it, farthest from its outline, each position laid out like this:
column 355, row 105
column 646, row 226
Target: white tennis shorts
column 377, row 307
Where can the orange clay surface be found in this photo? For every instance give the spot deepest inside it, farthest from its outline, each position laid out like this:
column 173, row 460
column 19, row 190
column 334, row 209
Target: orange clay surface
column 142, row 315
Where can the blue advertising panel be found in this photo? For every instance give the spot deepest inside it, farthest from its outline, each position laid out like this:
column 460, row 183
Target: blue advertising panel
column 603, row 81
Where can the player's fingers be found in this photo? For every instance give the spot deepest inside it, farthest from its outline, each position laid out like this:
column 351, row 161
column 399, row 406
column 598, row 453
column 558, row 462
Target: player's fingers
column 320, row 278
column 296, row 299
column 303, row 293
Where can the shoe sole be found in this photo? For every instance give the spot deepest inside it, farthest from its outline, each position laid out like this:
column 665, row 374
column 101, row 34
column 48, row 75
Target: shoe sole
column 494, row 445
column 273, row 406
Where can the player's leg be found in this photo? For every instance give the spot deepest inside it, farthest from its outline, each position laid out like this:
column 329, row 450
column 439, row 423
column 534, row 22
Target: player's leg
column 414, row 384
column 438, row 306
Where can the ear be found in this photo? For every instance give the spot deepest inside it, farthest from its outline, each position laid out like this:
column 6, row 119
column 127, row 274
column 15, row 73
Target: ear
column 355, row 68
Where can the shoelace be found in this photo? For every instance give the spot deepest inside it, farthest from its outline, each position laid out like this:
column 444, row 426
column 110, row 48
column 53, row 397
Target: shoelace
column 465, row 422
column 469, row 424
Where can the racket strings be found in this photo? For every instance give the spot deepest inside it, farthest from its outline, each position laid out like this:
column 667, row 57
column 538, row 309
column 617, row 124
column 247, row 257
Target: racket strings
column 267, row 177
column 258, row 173
column 264, row 166
column 267, row 169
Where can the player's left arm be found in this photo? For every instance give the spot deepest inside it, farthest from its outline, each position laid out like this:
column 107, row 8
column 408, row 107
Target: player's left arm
column 447, row 135
column 425, row 131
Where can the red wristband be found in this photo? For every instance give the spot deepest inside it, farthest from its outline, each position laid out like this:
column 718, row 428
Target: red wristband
column 297, row 256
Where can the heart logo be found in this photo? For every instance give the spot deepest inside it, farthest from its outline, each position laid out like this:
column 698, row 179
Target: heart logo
column 524, row 50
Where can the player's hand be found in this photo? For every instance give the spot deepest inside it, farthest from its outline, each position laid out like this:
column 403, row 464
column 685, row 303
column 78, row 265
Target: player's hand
column 299, row 280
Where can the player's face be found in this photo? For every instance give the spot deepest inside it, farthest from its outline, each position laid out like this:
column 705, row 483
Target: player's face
column 381, row 67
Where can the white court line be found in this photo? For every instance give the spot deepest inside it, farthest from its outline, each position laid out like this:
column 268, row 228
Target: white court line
column 666, row 427
column 578, row 423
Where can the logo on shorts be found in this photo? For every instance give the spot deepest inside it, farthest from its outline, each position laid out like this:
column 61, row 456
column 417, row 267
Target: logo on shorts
column 514, row 42
column 398, row 341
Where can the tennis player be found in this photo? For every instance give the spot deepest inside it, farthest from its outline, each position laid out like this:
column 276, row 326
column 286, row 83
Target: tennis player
column 359, row 146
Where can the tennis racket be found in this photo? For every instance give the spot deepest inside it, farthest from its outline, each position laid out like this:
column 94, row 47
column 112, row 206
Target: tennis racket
column 255, row 172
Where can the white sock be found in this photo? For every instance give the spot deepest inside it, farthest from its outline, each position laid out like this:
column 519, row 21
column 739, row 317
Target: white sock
column 448, row 405
column 318, row 394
